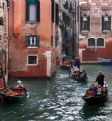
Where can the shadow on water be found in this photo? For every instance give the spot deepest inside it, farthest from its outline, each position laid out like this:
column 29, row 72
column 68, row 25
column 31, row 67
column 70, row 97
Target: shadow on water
column 89, row 111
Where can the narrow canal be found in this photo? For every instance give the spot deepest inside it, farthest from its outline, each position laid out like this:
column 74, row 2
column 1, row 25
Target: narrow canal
column 59, row 99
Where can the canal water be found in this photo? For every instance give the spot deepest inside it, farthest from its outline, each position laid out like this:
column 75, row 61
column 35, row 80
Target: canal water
column 59, row 99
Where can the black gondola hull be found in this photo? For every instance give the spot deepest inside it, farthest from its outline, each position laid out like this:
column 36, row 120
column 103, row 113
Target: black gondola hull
column 80, row 79
column 65, row 67
column 13, row 98
column 94, row 100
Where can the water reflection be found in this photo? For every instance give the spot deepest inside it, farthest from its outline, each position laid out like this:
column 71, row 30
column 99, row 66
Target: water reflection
column 92, row 111
column 60, row 99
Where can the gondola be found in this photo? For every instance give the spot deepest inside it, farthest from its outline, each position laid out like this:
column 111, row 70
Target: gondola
column 65, row 65
column 65, row 62
column 13, row 94
column 78, row 75
column 10, row 94
column 94, row 98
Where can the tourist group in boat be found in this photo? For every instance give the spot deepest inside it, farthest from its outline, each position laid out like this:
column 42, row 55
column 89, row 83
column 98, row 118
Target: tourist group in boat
column 98, row 90
column 96, row 93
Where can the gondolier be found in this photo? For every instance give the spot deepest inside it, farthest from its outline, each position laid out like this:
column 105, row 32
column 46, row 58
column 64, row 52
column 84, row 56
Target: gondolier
column 100, row 78
column 96, row 94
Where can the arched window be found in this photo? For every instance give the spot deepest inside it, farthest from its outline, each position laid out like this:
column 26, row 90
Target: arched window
column 84, row 22
column 106, row 22
column 91, row 42
column 100, row 42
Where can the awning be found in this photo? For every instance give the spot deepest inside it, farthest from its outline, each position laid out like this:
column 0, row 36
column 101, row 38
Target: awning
column 32, row 1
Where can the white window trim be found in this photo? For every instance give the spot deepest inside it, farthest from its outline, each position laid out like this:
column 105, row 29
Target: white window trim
column 34, row 46
column 91, row 46
column 104, row 43
column 95, row 43
column 32, row 64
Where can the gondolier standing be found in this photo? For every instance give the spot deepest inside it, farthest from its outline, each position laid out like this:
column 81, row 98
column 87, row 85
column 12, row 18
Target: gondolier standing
column 77, row 62
column 100, row 78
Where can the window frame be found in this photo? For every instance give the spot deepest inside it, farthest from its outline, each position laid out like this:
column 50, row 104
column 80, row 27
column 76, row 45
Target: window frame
column 27, row 40
column 87, row 23
column 96, row 43
column 29, row 64
column 88, row 44
column 109, row 22
column 37, row 12
column 97, row 40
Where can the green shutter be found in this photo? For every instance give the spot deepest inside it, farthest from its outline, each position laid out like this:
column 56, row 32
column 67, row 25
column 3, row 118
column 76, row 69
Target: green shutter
column 109, row 23
column 27, row 41
column 102, row 23
column 52, row 10
column 56, row 14
column 38, row 40
column 88, row 26
column 27, row 11
column 32, row 1
column 38, row 11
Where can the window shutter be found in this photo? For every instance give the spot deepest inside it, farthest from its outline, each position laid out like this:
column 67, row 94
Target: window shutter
column 102, row 23
column 38, row 11
column 81, row 18
column 27, row 11
column 110, row 23
column 31, row 1
column 38, row 40
column 88, row 23
column 52, row 10
column 27, row 41
column 56, row 15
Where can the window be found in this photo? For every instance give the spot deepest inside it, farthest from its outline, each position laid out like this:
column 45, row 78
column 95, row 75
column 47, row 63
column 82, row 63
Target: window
column 106, row 22
column 32, row 59
column 91, row 42
column 52, row 10
column 51, row 41
column 32, row 41
column 0, row 37
column 100, row 42
column 56, row 13
column 84, row 22
column 32, row 10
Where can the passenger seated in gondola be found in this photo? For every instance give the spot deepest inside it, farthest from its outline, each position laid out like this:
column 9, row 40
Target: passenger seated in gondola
column 93, row 88
column 99, row 90
column 82, row 74
column 100, row 78
column 76, row 72
column 19, row 84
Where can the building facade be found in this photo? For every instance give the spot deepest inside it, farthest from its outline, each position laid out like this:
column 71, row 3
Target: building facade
column 95, row 39
column 69, row 26
column 33, row 38
column 3, row 40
